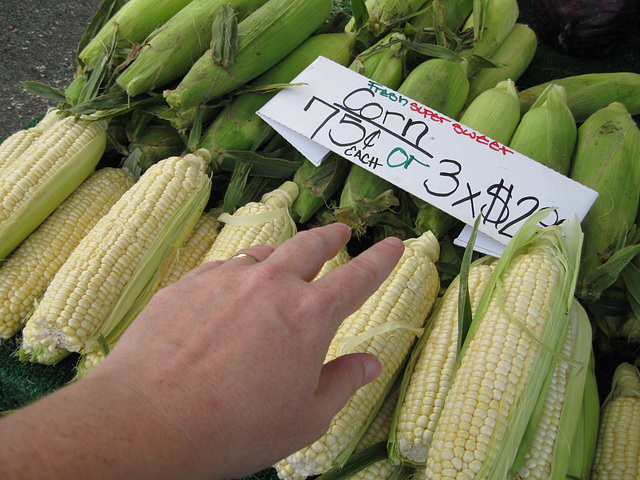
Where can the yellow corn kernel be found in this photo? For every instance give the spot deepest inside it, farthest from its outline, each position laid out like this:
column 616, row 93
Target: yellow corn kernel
column 25, row 274
column 384, row 326
column 267, row 222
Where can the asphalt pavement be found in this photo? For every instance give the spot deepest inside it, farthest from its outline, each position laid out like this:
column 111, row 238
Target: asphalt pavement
column 38, row 40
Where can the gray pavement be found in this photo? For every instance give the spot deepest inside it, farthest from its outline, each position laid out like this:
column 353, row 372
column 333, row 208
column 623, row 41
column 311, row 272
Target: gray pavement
column 38, row 40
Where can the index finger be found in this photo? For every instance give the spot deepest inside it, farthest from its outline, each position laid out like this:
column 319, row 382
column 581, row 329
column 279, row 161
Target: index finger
column 306, row 252
column 358, row 279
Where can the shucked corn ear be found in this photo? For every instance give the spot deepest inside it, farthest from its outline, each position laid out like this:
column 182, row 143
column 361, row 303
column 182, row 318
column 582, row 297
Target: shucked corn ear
column 512, row 343
column 25, row 273
column 264, row 38
column 385, row 326
column 617, row 453
column 606, row 159
column 16, row 143
column 429, row 372
column 547, row 450
column 547, row 132
column 238, row 126
column 53, row 166
column 184, row 259
column 130, row 25
column 115, row 266
column 172, row 48
column 267, row 222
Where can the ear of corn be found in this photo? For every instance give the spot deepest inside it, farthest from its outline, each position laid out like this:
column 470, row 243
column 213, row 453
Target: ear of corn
column 172, row 48
column 429, row 371
column 25, row 273
column 115, row 267
column 385, row 326
column 177, row 264
column 238, row 127
column 494, row 113
column 589, row 92
column 606, row 160
column 513, row 340
column 619, row 432
column 383, row 64
column 130, row 25
column 547, row 132
column 386, row 14
column 264, row 38
column 439, row 84
column 546, row 450
column 52, row 167
column 491, row 24
column 16, row 143
column 514, row 53
column 440, row 14
column 267, row 222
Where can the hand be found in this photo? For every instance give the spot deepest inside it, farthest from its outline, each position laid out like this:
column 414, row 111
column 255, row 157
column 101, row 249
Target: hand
column 222, row 373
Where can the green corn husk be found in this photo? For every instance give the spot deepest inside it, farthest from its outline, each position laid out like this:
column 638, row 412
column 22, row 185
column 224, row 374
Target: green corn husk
column 514, row 54
column 264, row 38
column 440, row 16
column 384, row 15
column 590, row 92
column 491, row 24
column 440, row 84
column 130, row 25
column 547, row 132
column 583, row 445
column 567, row 383
column 495, row 113
column 174, row 47
column 238, row 127
column 606, row 160
column 382, row 63
column 156, row 143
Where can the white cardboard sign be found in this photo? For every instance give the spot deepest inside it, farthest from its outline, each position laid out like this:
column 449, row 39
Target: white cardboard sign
column 421, row 151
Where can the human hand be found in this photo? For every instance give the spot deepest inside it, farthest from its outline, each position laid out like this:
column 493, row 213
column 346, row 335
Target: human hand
column 227, row 363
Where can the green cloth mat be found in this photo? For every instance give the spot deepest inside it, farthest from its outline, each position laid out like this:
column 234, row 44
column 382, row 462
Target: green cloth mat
column 21, row 382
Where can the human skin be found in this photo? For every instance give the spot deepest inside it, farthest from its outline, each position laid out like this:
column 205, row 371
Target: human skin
column 221, row 375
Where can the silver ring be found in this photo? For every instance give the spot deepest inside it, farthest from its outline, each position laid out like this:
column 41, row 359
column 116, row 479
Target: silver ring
column 244, row 255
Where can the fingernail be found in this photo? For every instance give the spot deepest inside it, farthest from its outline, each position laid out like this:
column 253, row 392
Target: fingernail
column 395, row 241
column 344, row 226
column 372, row 368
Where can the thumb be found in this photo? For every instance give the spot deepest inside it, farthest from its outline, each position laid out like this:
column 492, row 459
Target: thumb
column 342, row 377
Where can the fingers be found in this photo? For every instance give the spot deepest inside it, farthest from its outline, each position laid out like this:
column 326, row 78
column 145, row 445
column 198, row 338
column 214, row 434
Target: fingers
column 341, row 377
column 359, row 278
column 305, row 253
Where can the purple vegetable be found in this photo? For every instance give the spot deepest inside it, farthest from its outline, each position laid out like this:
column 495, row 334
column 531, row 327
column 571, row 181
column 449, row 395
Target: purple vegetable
column 585, row 27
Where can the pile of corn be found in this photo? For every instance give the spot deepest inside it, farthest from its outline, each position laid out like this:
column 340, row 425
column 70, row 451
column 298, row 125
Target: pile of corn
column 156, row 162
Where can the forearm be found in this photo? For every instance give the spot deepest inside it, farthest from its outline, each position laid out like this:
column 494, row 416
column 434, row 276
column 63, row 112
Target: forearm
column 96, row 427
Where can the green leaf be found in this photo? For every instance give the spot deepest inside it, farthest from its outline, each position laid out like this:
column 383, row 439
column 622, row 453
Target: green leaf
column 465, row 316
column 45, row 91
column 631, row 275
column 360, row 14
column 236, row 186
column 261, row 166
column 357, row 462
column 107, row 9
column 606, row 274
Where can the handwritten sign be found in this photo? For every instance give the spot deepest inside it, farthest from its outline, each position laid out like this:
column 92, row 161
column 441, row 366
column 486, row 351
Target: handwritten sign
column 429, row 155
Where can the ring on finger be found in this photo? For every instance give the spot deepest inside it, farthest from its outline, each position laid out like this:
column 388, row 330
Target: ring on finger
column 244, row 255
